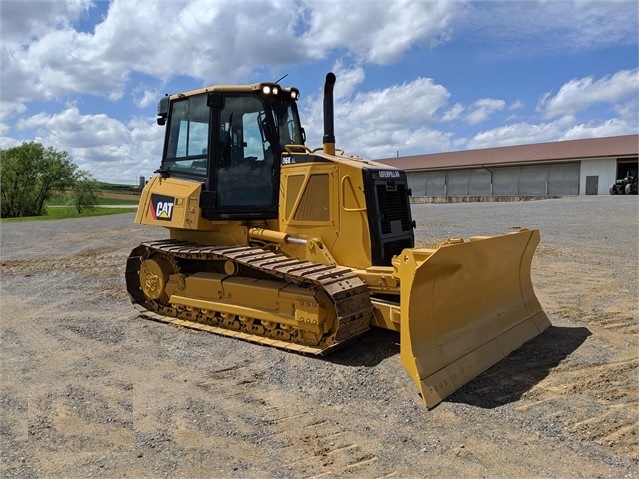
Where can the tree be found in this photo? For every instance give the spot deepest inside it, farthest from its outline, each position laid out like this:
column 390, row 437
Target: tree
column 29, row 174
column 85, row 192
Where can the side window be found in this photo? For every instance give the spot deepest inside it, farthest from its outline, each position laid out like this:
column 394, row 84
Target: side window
column 288, row 125
column 245, row 167
column 192, row 139
column 187, row 142
column 253, row 138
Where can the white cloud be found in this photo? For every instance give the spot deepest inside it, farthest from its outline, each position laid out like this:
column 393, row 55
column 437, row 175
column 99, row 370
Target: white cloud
column 213, row 40
column 45, row 57
column 104, row 146
column 413, row 102
column 71, row 128
column 376, row 31
column 581, row 93
column 38, row 17
column 520, row 134
column 564, row 128
column 628, row 111
column 403, row 142
column 516, row 105
column 483, row 108
column 454, row 112
column 611, row 127
column 146, row 98
column 377, row 123
column 349, row 79
column 10, row 108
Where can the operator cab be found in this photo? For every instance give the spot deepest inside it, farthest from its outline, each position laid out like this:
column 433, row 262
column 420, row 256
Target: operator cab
column 231, row 139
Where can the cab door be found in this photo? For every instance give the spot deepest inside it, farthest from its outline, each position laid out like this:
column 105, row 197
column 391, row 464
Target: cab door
column 244, row 174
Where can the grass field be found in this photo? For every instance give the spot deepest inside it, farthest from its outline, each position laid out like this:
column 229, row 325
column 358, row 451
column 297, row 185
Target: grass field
column 60, row 206
column 106, row 199
column 62, row 212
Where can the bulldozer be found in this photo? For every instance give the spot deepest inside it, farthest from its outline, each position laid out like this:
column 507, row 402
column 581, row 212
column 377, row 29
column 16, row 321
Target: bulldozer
column 305, row 249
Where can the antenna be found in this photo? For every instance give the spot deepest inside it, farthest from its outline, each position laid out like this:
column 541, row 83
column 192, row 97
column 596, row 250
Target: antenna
column 277, row 81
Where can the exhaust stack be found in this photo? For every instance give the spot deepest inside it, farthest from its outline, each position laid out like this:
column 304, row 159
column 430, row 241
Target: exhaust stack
column 329, row 128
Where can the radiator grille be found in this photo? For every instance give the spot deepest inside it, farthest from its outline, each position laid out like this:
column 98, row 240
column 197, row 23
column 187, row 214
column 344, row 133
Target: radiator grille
column 394, row 208
column 293, row 187
column 314, row 205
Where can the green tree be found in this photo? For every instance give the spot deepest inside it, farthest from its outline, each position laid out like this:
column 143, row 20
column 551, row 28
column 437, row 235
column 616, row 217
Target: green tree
column 29, row 174
column 85, row 192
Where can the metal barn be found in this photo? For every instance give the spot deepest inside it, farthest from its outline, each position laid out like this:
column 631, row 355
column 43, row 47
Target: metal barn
column 575, row 167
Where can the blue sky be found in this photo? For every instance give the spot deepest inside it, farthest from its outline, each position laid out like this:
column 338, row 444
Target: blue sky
column 413, row 76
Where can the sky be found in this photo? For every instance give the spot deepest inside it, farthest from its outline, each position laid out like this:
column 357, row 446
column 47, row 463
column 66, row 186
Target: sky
column 413, row 76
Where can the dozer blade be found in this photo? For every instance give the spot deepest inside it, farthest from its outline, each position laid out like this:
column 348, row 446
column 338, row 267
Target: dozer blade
column 464, row 307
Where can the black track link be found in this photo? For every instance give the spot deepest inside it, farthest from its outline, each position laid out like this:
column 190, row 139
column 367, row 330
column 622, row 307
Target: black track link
column 348, row 294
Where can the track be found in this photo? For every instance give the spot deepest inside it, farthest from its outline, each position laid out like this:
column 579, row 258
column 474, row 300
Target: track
column 346, row 293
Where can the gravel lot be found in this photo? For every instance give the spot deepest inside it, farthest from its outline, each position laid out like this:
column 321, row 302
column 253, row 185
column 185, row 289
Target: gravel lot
column 91, row 389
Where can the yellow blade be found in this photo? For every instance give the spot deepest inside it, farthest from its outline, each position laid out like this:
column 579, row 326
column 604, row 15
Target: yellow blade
column 464, row 307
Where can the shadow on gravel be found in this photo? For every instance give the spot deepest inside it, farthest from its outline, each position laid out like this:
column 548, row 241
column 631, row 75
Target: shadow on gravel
column 369, row 349
column 509, row 379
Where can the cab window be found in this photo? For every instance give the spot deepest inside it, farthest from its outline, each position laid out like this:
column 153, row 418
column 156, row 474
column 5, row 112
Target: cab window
column 188, row 135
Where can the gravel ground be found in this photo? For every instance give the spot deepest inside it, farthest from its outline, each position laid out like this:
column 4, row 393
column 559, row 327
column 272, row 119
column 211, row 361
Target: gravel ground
column 91, row 389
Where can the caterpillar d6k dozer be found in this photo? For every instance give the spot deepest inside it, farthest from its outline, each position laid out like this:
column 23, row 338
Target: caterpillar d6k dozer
column 304, row 250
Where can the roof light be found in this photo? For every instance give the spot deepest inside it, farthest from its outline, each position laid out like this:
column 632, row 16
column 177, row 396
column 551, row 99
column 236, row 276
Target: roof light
column 274, row 90
column 266, row 89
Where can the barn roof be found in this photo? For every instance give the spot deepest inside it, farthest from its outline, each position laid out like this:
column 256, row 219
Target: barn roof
column 609, row 147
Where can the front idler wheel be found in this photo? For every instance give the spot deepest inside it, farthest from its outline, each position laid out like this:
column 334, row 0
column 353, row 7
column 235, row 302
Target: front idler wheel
column 154, row 275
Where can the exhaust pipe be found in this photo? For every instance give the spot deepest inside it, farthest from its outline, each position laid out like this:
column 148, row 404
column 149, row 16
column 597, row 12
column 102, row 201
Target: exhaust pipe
column 329, row 127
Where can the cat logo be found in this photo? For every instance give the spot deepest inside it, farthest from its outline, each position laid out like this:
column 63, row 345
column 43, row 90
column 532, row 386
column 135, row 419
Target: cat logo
column 161, row 207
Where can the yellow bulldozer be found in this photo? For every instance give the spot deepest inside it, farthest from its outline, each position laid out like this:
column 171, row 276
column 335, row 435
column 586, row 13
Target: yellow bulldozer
column 306, row 249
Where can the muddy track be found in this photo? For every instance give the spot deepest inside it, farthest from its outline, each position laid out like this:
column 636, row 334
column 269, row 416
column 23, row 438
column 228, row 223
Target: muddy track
column 91, row 389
